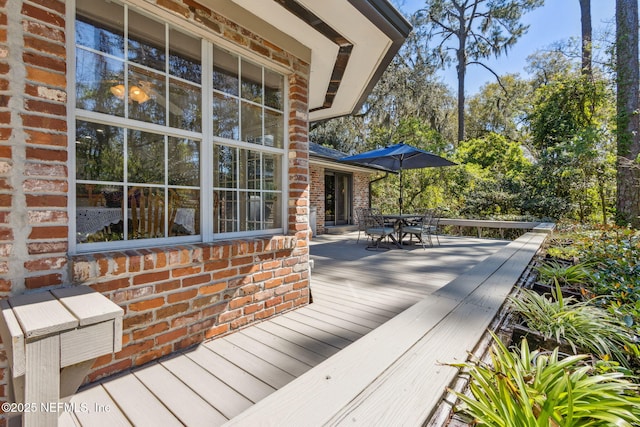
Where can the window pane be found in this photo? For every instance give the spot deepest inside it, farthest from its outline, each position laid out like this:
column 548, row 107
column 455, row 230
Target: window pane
column 185, row 102
column 251, row 128
column 273, row 129
column 147, row 96
column 272, row 210
column 251, row 211
column 98, row 79
column 99, row 152
column 146, row 158
column 224, row 167
column 100, row 26
column 251, row 82
column 146, row 213
column 146, row 41
column 184, row 212
column 274, row 89
column 184, row 56
column 225, row 116
column 184, row 161
column 225, row 206
column 272, row 172
column 225, row 71
column 98, row 213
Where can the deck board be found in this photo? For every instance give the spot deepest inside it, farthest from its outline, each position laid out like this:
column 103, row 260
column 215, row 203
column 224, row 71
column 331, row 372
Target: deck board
column 354, row 292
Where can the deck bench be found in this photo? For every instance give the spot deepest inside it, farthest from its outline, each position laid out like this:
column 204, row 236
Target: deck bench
column 51, row 340
column 393, row 376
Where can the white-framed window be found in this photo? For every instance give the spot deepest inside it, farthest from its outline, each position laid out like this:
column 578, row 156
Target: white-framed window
column 175, row 138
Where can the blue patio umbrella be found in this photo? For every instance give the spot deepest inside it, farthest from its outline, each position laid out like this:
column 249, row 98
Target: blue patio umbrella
column 397, row 158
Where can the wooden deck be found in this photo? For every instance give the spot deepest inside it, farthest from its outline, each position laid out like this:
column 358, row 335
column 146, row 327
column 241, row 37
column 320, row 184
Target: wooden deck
column 354, row 291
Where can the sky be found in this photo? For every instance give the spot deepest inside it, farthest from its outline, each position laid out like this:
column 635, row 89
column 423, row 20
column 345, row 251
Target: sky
column 557, row 20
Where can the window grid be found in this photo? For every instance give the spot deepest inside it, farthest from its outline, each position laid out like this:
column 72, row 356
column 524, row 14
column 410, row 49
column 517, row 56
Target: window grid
column 246, row 206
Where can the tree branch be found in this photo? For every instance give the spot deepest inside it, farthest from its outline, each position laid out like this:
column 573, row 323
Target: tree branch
column 506, row 92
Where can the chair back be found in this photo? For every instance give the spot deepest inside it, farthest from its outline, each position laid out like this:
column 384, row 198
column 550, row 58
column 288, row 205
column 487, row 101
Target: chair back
column 147, row 207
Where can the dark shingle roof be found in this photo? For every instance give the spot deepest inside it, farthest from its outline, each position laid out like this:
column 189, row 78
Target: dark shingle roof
column 325, row 152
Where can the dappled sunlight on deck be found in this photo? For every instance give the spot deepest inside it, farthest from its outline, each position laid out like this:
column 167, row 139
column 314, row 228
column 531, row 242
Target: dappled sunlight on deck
column 354, row 291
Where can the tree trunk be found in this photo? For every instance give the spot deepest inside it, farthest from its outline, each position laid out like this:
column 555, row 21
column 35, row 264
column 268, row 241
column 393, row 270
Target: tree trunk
column 585, row 19
column 628, row 105
column 462, row 70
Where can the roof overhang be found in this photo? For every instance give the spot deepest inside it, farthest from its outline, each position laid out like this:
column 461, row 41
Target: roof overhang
column 348, row 43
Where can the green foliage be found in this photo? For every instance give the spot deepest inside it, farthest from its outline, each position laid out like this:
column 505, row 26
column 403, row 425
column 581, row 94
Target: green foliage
column 551, row 272
column 582, row 325
column 532, row 389
column 564, row 108
column 500, row 108
column 494, row 153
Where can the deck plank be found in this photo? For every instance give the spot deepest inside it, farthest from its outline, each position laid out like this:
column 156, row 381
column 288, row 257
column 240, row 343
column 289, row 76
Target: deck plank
column 353, row 291
column 221, row 396
column 259, row 368
column 293, row 349
column 137, row 403
column 275, row 357
column 373, row 381
column 182, row 401
column 310, row 343
column 240, row 380
column 97, row 399
column 304, row 329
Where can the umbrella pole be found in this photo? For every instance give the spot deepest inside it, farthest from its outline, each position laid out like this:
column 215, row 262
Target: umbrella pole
column 400, row 200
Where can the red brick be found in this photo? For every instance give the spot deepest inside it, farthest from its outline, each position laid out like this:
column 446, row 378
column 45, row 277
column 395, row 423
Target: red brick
column 167, row 286
column 186, row 320
column 52, row 232
column 111, row 285
column 158, row 276
column 283, row 307
column 218, row 330
column 47, row 247
column 213, row 288
column 188, row 342
column 39, row 201
column 171, row 310
column 265, row 313
column 171, row 336
column 250, row 309
column 150, row 330
column 52, row 263
column 44, row 138
column 153, row 355
column 137, row 320
column 132, row 349
column 182, row 296
column 187, row 271
column 239, row 302
column 224, row 274
column 109, row 370
column 43, row 281
column 196, row 280
column 147, row 304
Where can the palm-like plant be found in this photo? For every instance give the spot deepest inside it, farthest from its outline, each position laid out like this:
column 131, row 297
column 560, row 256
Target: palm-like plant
column 529, row 389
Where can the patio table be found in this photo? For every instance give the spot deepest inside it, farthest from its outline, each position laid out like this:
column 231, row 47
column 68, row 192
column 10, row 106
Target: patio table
column 399, row 221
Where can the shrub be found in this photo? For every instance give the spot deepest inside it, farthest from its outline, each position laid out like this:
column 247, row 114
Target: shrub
column 527, row 389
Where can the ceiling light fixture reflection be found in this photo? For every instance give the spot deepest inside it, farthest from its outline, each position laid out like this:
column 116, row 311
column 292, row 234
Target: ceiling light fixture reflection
column 135, row 93
column 138, row 95
column 118, row 91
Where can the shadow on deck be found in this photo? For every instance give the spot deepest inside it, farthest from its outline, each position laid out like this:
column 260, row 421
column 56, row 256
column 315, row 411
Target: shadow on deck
column 354, row 292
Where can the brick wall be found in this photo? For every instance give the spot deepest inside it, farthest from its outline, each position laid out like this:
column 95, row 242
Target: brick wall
column 173, row 297
column 360, row 196
column 317, row 195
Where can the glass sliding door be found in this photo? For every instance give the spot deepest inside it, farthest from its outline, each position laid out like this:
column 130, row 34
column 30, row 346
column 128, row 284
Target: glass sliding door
column 337, row 198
